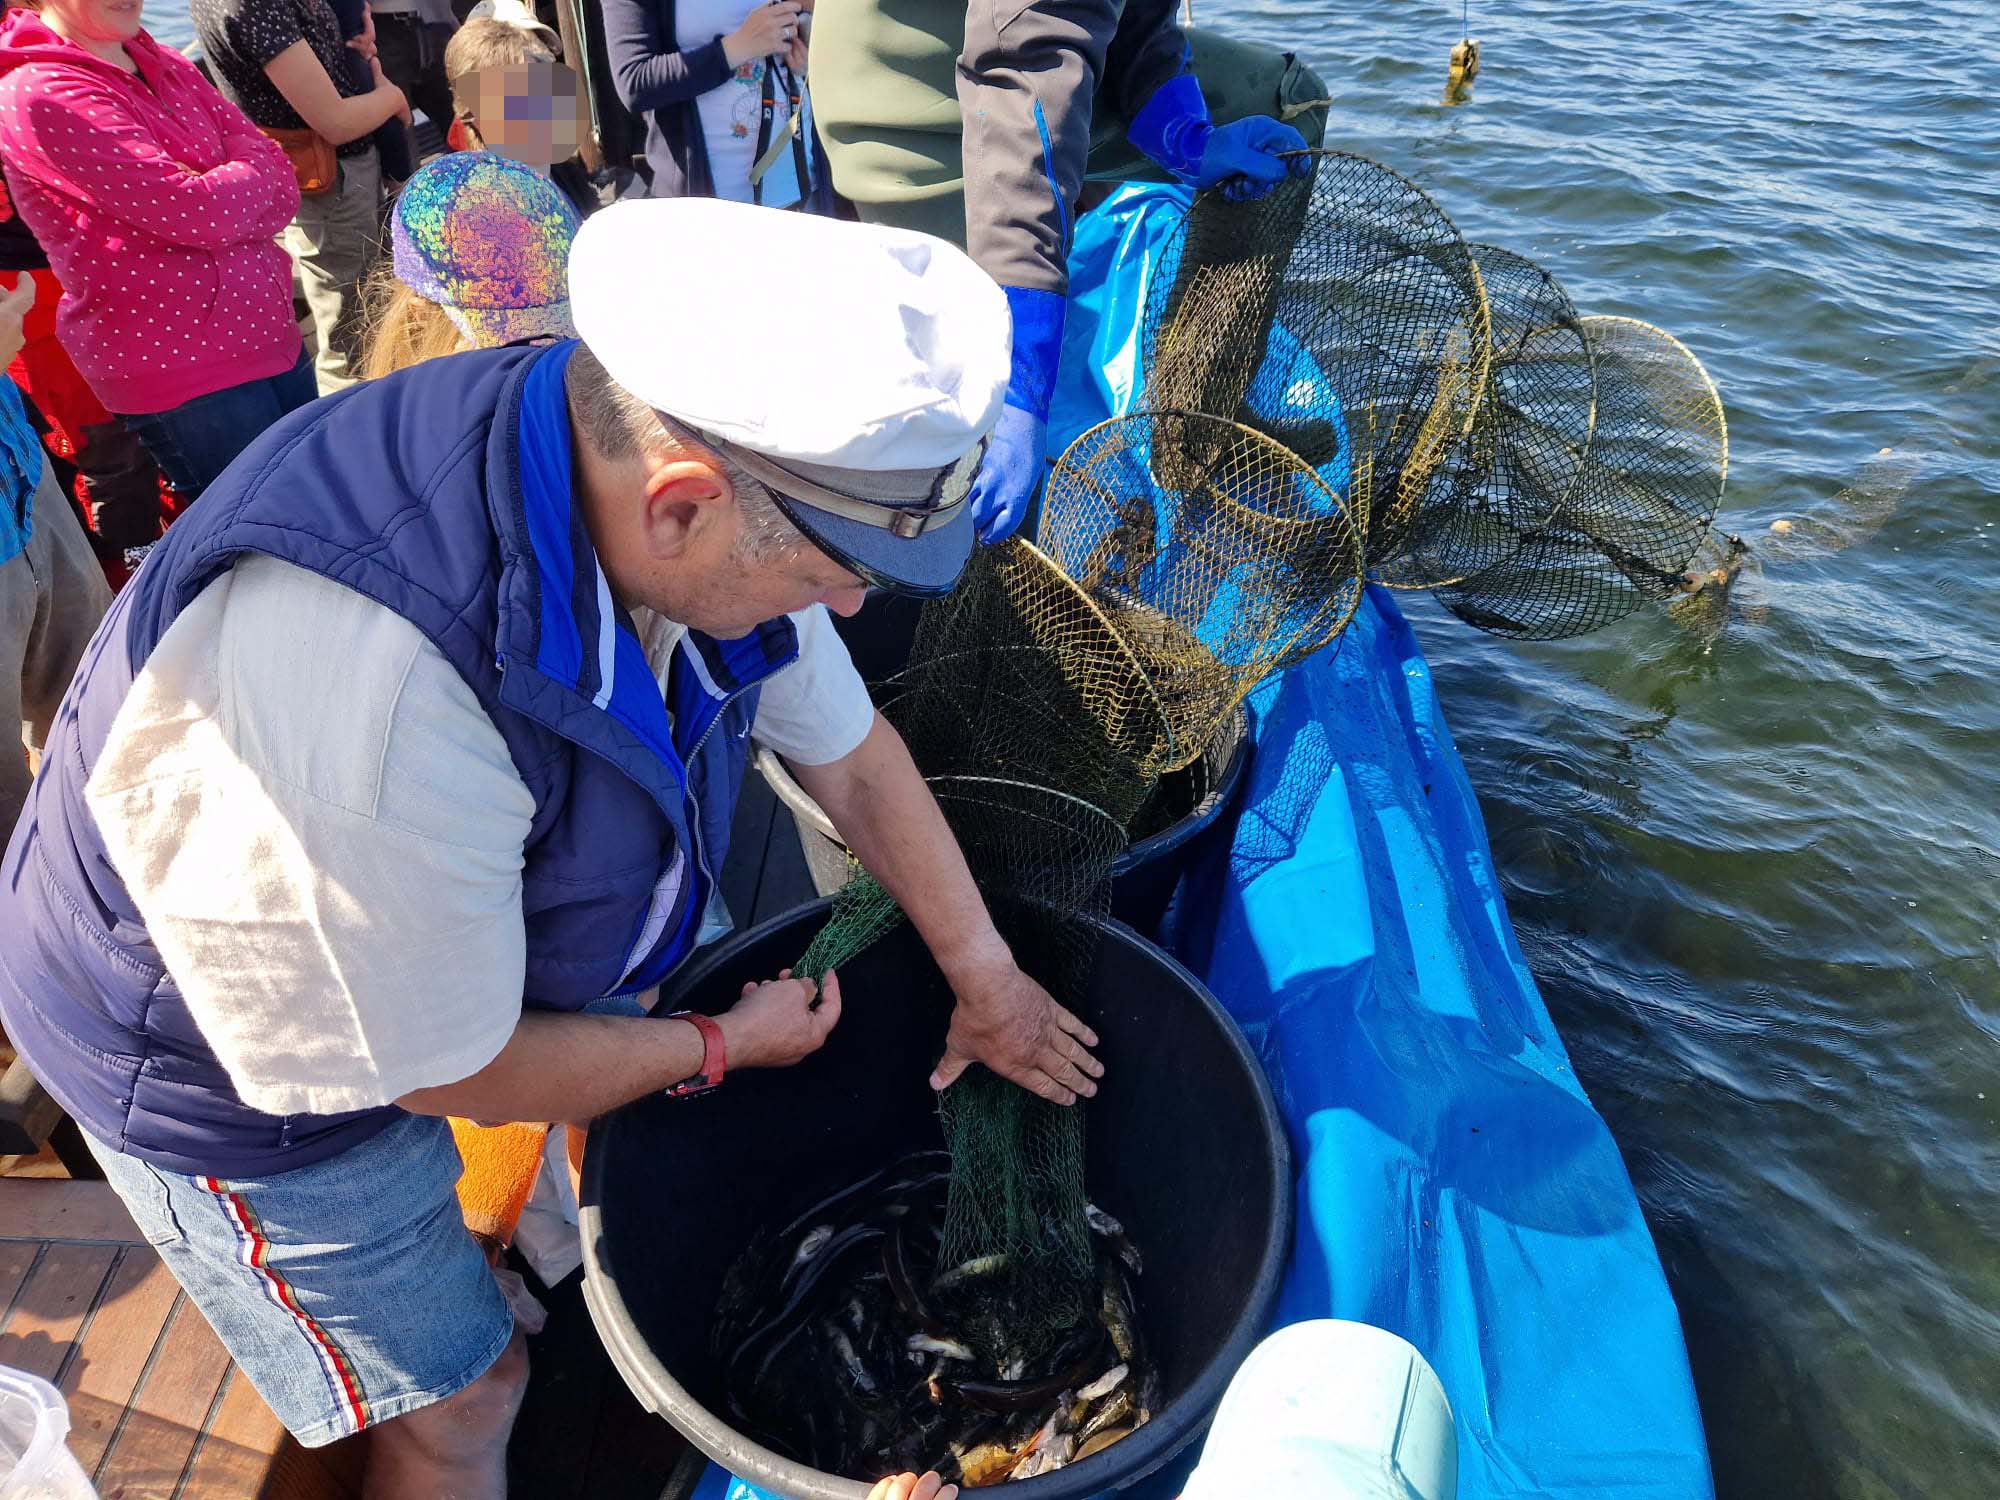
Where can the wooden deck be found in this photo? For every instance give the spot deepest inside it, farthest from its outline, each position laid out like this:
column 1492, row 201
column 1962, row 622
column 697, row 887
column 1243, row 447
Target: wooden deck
column 158, row 1411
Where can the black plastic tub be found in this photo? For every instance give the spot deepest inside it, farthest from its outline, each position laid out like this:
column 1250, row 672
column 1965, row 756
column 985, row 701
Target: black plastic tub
column 1185, row 1146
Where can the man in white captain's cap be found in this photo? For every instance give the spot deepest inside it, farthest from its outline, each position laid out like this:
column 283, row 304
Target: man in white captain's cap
column 419, row 738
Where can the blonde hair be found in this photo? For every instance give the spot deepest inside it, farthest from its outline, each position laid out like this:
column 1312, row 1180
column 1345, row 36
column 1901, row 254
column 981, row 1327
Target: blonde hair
column 404, row 327
column 487, row 43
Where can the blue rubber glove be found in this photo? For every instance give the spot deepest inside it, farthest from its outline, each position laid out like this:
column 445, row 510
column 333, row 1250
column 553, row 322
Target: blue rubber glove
column 1017, row 451
column 1242, row 156
column 1009, row 475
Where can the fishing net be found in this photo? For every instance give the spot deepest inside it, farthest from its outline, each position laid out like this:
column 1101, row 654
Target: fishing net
column 1341, row 316
column 1041, row 738
column 1610, row 456
column 1545, row 473
column 1245, row 562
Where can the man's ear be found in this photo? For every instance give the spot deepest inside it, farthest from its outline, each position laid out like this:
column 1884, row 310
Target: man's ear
column 685, row 497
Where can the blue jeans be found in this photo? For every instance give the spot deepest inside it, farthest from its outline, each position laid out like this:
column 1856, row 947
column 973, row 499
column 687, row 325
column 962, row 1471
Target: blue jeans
column 195, row 441
column 349, row 1291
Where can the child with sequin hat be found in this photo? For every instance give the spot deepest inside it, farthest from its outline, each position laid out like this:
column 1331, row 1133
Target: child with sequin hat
column 480, row 244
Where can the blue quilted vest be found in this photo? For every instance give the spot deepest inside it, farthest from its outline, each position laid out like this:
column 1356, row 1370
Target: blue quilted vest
column 444, row 494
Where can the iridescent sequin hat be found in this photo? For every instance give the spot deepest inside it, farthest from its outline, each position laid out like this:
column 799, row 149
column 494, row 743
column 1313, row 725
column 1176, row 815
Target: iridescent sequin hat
column 487, row 239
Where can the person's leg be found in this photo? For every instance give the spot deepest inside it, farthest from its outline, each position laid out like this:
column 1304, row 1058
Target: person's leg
column 195, row 441
column 431, row 90
column 351, row 1295
column 119, row 485
column 459, row 1445
column 71, row 597
column 412, row 58
column 333, row 241
column 18, row 600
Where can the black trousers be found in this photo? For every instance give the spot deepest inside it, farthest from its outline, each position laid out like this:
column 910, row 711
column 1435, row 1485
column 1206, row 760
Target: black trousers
column 412, row 58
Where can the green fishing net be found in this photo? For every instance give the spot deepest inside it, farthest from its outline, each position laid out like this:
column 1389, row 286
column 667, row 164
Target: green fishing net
column 1040, row 737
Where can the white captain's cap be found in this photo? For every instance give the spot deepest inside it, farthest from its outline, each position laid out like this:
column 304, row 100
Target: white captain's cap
column 852, row 369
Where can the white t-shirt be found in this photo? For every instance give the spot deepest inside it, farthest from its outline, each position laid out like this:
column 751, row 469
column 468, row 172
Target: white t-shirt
column 324, row 831
column 732, row 114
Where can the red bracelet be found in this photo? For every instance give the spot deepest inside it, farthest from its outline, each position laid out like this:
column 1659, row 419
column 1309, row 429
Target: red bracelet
column 714, row 1056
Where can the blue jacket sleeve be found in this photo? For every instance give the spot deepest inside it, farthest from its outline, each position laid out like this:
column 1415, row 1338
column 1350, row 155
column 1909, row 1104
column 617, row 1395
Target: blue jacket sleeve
column 648, row 71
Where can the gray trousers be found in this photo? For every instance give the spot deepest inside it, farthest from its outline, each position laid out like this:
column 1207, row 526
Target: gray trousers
column 51, row 597
column 334, row 241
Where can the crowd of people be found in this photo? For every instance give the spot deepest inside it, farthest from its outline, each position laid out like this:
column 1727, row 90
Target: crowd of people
column 513, row 830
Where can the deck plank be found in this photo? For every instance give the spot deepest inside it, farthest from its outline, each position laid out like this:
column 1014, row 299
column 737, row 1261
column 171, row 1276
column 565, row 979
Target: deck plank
column 246, row 1452
column 17, row 1258
column 41, row 1210
column 173, row 1404
column 138, row 1299
column 50, row 1310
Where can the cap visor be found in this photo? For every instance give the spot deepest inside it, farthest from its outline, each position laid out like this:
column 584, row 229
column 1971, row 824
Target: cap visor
column 927, row 564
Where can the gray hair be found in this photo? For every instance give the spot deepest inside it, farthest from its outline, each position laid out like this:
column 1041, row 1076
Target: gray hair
column 620, row 426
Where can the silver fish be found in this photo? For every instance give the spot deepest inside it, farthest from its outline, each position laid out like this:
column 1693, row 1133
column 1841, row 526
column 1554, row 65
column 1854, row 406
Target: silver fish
column 814, row 1242
column 1105, row 1384
column 1118, row 1410
column 1052, row 1455
column 1100, row 1222
column 979, row 1265
column 1113, row 1233
column 850, row 1361
column 924, row 1343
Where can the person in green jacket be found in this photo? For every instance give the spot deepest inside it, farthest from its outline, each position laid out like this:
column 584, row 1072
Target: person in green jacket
column 980, row 120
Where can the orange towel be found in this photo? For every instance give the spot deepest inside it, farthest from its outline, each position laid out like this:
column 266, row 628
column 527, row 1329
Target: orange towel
column 501, row 1163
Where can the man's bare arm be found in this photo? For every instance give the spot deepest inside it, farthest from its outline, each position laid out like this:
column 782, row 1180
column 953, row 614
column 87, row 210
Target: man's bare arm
column 558, row 1066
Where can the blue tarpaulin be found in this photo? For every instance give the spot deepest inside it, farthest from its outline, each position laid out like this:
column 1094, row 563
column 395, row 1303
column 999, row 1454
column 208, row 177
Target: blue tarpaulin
column 1456, row 1187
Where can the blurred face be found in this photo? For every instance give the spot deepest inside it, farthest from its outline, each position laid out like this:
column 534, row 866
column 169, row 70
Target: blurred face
column 106, row 22
column 533, row 112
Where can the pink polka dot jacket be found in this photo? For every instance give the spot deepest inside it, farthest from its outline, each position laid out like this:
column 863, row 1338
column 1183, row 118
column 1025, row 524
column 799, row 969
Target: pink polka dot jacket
column 158, row 202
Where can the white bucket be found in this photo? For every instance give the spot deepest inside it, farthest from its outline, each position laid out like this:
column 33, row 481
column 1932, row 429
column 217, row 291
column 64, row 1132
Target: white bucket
column 35, row 1463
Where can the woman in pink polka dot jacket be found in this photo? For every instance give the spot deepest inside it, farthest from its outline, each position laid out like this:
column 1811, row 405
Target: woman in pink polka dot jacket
column 158, row 203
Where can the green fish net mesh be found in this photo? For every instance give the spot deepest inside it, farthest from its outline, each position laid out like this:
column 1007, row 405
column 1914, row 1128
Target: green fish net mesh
column 1337, row 387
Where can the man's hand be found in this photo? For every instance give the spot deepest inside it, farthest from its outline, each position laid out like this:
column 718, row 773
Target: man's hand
column 1010, row 1023
column 776, row 1024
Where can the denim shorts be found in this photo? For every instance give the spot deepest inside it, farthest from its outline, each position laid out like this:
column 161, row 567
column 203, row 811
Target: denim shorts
column 348, row 1291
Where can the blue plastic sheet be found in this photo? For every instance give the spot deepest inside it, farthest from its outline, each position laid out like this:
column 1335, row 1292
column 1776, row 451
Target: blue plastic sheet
column 1455, row 1185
